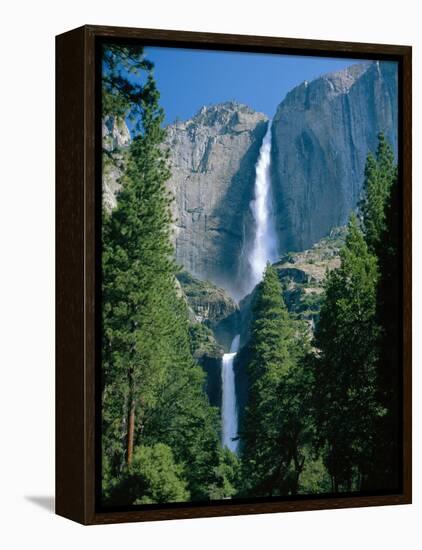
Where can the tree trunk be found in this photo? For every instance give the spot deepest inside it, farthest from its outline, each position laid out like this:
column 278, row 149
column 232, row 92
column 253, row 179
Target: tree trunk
column 299, row 464
column 130, row 432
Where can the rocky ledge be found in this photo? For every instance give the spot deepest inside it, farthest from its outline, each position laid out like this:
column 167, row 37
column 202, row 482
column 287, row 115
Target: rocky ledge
column 302, row 275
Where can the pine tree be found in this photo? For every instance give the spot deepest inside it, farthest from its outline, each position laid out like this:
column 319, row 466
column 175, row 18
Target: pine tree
column 182, row 417
column 153, row 398
column 345, row 366
column 381, row 225
column 123, row 69
column 387, row 460
column 380, row 173
column 137, row 263
column 275, row 416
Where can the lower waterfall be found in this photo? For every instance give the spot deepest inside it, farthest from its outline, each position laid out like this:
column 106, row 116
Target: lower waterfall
column 228, row 409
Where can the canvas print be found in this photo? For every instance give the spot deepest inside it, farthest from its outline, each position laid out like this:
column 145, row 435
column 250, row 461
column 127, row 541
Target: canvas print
column 250, row 276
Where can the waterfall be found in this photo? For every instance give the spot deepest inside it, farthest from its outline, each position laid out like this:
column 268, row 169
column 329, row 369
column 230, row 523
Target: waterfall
column 263, row 250
column 228, row 409
column 264, row 246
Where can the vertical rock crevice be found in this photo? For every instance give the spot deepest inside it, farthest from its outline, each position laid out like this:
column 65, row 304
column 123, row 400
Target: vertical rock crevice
column 322, row 132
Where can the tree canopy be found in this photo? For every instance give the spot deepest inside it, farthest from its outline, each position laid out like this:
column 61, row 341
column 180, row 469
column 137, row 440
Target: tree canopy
column 276, row 416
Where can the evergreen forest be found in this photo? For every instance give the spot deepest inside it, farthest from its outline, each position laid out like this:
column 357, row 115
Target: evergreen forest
column 321, row 406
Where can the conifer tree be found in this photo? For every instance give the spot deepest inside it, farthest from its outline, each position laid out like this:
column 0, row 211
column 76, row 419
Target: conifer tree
column 136, row 266
column 182, row 417
column 345, row 367
column 380, row 173
column 381, row 226
column 276, row 412
column 387, row 460
column 121, row 91
column 153, row 398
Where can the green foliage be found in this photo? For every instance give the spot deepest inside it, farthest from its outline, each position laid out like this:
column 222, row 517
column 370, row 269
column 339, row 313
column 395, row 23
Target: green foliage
column 357, row 362
column 276, row 424
column 155, row 476
column 226, row 476
column 182, row 417
column 152, row 477
column 137, row 281
column 380, row 173
column 385, row 471
column 380, row 209
column 310, row 302
column 345, row 367
column 120, row 91
column 202, row 341
column 150, row 379
column 314, row 478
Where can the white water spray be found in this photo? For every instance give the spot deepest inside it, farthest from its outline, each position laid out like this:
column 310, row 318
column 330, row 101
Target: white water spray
column 264, row 247
column 263, row 250
column 228, row 409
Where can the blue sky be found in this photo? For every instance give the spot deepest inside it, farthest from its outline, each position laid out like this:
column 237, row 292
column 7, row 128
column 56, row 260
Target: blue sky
column 189, row 79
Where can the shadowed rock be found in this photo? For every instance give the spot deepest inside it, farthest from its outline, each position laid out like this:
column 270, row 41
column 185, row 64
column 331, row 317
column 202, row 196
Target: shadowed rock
column 322, row 133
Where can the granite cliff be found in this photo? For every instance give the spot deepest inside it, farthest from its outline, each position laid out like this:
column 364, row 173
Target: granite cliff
column 115, row 140
column 322, row 132
column 211, row 306
column 214, row 320
column 212, row 158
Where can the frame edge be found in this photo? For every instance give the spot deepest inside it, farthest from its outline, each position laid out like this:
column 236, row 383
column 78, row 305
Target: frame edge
column 75, row 275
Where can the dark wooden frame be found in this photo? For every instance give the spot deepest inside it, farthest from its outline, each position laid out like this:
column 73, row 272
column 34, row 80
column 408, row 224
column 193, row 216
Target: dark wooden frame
column 76, row 173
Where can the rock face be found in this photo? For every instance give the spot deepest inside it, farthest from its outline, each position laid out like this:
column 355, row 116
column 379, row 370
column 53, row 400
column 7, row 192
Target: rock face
column 115, row 140
column 302, row 275
column 321, row 133
column 209, row 303
column 212, row 158
column 214, row 320
column 211, row 306
column 115, row 133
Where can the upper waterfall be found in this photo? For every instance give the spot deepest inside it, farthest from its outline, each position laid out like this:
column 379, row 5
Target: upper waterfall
column 264, row 247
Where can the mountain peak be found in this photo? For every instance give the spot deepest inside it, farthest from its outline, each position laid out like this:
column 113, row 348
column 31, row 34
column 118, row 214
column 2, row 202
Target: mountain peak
column 228, row 114
column 232, row 106
column 322, row 133
column 344, row 79
column 328, row 86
